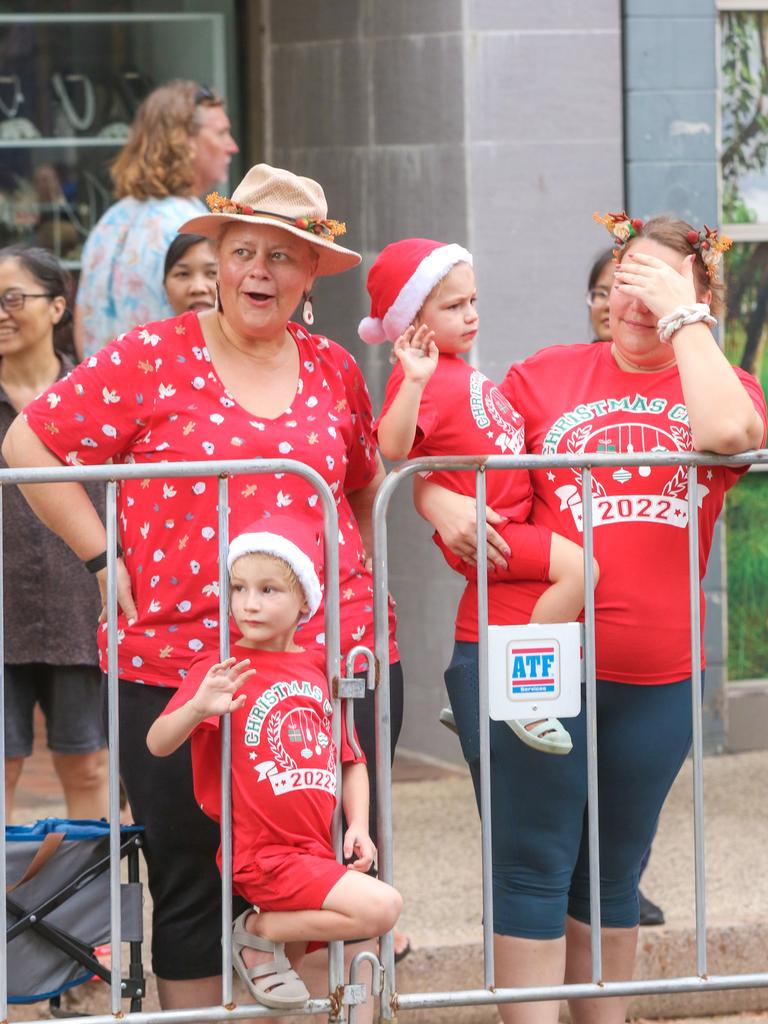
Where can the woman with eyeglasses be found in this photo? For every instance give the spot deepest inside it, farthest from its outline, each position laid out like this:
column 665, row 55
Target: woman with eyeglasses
column 52, row 603
column 180, row 147
column 598, row 289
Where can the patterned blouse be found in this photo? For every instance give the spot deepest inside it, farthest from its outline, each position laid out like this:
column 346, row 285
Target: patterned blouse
column 153, row 396
column 121, row 281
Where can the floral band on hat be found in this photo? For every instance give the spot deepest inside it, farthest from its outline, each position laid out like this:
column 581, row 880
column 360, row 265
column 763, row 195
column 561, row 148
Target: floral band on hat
column 710, row 246
column 621, row 226
column 325, row 228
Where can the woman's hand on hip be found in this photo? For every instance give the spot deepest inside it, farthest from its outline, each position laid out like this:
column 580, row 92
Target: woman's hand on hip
column 125, row 599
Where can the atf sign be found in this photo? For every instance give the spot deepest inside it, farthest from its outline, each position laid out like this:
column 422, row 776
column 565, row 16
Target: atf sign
column 534, row 671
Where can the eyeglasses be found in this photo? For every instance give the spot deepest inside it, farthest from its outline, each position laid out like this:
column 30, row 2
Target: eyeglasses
column 12, row 302
column 597, row 296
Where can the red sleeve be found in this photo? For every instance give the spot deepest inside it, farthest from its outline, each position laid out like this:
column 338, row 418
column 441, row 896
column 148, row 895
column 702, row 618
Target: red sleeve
column 189, row 687
column 97, row 411
column 355, row 415
column 754, row 390
column 427, row 417
column 348, row 755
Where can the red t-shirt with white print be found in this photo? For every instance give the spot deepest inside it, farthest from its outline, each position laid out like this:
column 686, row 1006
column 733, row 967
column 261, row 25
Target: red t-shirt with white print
column 283, row 756
column 153, row 396
column 576, row 400
column 462, row 412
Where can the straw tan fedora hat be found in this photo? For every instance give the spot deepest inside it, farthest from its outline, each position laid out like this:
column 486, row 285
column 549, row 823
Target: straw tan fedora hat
column 270, row 195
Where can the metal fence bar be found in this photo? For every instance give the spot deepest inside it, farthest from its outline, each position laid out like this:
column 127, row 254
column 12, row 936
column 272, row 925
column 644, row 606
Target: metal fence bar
column 3, row 808
column 226, row 752
column 113, row 729
column 593, row 815
column 387, row 1012
column 332, row 626
column 481, row 528
column 698, row 746
column 586, row 990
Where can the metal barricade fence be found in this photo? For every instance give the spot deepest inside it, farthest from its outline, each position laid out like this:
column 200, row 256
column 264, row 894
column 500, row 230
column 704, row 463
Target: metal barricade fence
column 340, row 995
column 383, row 968
column 393, row 1001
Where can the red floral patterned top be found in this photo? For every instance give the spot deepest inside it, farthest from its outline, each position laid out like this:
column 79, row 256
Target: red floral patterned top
column 153, row 396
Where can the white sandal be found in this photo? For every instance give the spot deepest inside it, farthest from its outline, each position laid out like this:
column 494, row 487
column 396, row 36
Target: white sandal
column 548, row 735
column 279, row 986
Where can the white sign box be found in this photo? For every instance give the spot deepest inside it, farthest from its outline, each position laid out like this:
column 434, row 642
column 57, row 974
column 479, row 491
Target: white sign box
column 534, row 671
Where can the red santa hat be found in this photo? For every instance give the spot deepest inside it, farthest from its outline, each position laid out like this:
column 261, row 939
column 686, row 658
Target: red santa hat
column 295, row 542
column 401, row 279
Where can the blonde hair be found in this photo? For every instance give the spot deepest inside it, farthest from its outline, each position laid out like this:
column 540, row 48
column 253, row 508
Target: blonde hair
column 156, row 161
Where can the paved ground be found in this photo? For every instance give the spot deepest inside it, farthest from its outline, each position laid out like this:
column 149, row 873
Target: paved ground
column 437, row 866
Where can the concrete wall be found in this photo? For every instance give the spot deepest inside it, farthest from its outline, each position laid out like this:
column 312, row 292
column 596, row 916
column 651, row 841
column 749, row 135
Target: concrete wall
column 672, row 166
column 494, row 123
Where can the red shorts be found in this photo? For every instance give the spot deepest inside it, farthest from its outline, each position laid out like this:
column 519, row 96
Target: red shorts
column 285, row 878
column 530, row 545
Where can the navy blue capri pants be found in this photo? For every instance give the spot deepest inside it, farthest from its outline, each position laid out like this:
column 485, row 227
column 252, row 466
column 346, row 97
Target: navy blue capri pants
column 539, row 801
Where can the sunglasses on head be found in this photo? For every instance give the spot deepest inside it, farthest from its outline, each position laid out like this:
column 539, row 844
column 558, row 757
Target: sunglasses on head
column 205, row 95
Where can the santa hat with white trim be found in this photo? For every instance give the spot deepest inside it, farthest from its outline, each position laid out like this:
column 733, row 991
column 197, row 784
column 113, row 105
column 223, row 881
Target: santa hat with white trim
column 295, row 542
column 400, row 281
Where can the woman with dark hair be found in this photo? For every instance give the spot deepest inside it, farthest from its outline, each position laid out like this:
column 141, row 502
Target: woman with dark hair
column 598, row 290
column 178, row 149
column 50, row 659
column 189, row 274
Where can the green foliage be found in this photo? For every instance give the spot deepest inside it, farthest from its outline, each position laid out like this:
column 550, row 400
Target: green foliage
column 747, row 578
column 744, row 66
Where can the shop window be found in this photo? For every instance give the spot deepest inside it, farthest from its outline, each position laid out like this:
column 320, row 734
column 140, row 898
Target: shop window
column 71, row 77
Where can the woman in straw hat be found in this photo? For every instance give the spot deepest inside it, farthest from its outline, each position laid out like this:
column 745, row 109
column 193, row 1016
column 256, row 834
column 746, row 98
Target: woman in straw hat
column 238, row 381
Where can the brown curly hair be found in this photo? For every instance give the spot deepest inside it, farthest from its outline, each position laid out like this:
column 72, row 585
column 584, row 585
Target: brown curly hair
column 673, row 233
column 156, row 161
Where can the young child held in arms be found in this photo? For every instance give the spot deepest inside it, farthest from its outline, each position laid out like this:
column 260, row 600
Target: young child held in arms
column 283, row 770
column 423, row 298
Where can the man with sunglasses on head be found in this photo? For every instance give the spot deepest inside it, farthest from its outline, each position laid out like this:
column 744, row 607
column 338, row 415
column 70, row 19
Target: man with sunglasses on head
column 180, row 147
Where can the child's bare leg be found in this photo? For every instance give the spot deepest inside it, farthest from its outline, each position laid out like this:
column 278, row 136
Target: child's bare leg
column 564, row 599
column 358, row 906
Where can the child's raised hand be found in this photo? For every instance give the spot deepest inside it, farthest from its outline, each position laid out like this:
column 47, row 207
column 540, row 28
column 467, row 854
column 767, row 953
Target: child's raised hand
column 358, row 842
column 417, row 353
column 215, row 695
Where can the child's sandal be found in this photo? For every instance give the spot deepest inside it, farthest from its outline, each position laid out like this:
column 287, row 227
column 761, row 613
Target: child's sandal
column 273, row 983
column 548, row 735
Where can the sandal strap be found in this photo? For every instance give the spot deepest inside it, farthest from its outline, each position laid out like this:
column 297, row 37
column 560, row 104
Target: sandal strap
column 280, row 966
column 548, row 727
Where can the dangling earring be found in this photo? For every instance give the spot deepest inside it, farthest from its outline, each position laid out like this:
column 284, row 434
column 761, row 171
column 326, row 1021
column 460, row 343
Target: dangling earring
column 219, row 307
column 307, row 313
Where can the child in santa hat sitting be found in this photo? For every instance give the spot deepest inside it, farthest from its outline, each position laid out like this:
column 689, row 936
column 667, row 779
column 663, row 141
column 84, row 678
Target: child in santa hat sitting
column 423, row 299
column 283, row 769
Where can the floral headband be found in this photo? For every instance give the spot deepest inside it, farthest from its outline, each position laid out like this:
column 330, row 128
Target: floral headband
column 706, row 242
column 621, row 226
column 710, row 247
column 328, row 229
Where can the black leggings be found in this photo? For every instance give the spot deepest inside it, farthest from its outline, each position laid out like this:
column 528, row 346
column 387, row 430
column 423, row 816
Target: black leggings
column 180, row 842
column 539, row 802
